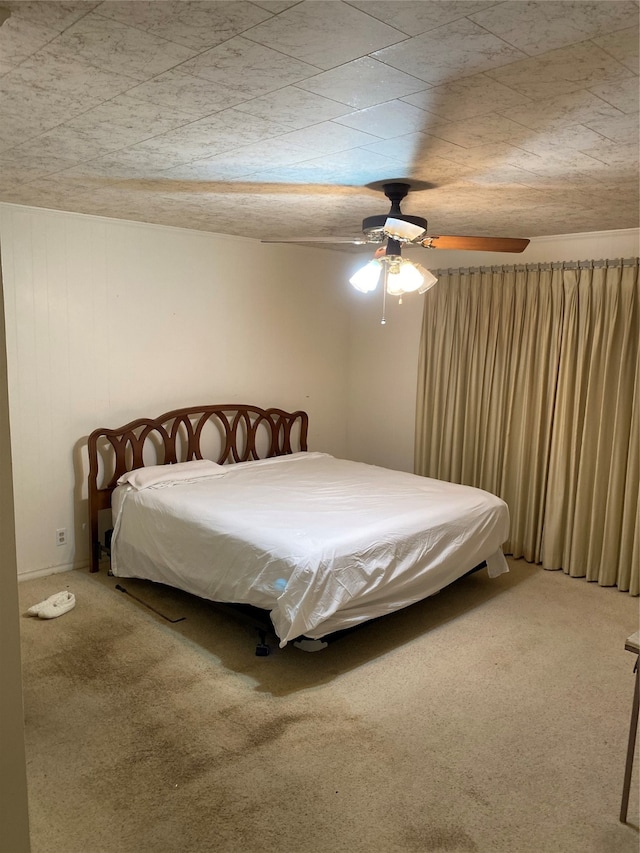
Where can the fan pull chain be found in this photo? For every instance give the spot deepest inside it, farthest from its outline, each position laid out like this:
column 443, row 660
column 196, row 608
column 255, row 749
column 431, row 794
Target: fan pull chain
column 383, row 321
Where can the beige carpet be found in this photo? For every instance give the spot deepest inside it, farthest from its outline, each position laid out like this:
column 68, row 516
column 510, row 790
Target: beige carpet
column 492, row 718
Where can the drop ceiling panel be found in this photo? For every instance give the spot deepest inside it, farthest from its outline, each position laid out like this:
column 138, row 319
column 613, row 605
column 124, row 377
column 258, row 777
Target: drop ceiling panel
column 282, row 118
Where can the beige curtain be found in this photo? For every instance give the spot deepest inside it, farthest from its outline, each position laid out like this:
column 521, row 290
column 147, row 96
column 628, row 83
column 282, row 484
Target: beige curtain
column 529, row 387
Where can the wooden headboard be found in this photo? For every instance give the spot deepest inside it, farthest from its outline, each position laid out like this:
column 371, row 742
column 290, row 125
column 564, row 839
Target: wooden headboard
column 224, row 433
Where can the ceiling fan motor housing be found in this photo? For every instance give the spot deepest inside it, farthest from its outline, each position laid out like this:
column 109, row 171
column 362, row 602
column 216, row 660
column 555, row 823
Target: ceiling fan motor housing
column 376, row 223
column 395, row 192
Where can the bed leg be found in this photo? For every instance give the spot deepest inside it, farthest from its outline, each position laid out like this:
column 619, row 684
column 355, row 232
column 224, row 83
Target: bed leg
column 95, row 556
column 262, row 649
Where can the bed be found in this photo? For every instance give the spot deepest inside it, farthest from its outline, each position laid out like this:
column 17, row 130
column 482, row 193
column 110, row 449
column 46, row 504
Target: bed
column 227, row 503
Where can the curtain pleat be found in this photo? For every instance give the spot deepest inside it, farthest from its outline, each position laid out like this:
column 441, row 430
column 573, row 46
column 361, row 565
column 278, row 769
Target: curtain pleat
column 629, row 576
column 529, row 388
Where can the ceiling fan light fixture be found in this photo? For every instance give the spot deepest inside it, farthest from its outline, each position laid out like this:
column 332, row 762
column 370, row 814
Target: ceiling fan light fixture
column 403, row 277
column 400, row 229
column 366, row 278
column 429, row 279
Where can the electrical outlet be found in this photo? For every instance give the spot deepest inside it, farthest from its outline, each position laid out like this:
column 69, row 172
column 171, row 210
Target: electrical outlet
column 61, row 536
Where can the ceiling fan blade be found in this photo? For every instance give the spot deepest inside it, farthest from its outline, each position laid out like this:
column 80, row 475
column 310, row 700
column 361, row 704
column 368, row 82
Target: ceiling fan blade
column 354, row 241
column 477, row 244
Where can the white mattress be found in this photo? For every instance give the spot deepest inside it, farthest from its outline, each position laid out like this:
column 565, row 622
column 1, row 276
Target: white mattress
column 322, row 543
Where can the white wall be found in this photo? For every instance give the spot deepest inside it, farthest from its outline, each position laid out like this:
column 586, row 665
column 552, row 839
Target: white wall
column 108, row 321
column 14, row 805
column 384, row 359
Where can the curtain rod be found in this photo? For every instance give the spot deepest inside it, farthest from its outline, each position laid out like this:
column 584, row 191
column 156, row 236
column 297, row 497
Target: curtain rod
column 547, row 265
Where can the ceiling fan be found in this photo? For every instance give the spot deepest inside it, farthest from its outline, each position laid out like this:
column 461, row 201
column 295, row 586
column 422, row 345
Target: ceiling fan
column 400, row 229
column 400, row 276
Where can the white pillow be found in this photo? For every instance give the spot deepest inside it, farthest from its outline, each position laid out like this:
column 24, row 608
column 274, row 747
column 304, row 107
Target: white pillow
column 153, row 475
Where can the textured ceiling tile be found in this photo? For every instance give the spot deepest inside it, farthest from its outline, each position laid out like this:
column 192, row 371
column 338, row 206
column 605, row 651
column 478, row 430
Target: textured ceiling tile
column 218, row 134
column 66, row 144
column 125, row 163
column 432, row 146
column 55, row 16
column 563, row 110
column 19, row 38
column 417, row 16
column 623, row 129
column 561, row 138
column 125, row 120
column 407, row 146
column 25, row 164
column 419, row 154
column 363, row 83
column 282, row 212
column 472, row 96
column 113, row 125
column 324, row 34
column 438, row 170
column 293, row 107
column 22, row 194
column 327, row 137
column 191, row 95
column 480, row 157
column 347, row 167
column 115, row 47
column 453, row 50
column 537, row 27
column 559, row 71
column 61, row 184
column 54, row 70
column 57, row 198
column 28, row 110
column 623, row 94
column 607, row 212
column 625, row 156
column 623, row 45
column 122, row 145
column 505, row 174
column 247, row 68
column 275, row 6
column 244, row 160
column 107, row 201
column 481, row 130
column 197, row 25
column 16, row 129
column 230, row 124
column 558, row 161
column 395, row 118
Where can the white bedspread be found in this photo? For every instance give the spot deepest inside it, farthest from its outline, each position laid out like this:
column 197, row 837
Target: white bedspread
column 323, row 543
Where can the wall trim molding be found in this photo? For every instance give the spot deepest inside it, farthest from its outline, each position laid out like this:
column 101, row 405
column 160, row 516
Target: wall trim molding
column 586, row 235
column 32, row 574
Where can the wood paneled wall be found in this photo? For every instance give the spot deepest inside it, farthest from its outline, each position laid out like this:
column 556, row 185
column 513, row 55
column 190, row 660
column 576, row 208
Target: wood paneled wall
column 108, row 321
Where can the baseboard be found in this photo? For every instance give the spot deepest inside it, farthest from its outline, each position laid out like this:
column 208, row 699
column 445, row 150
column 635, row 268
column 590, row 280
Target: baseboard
column 50, row 570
